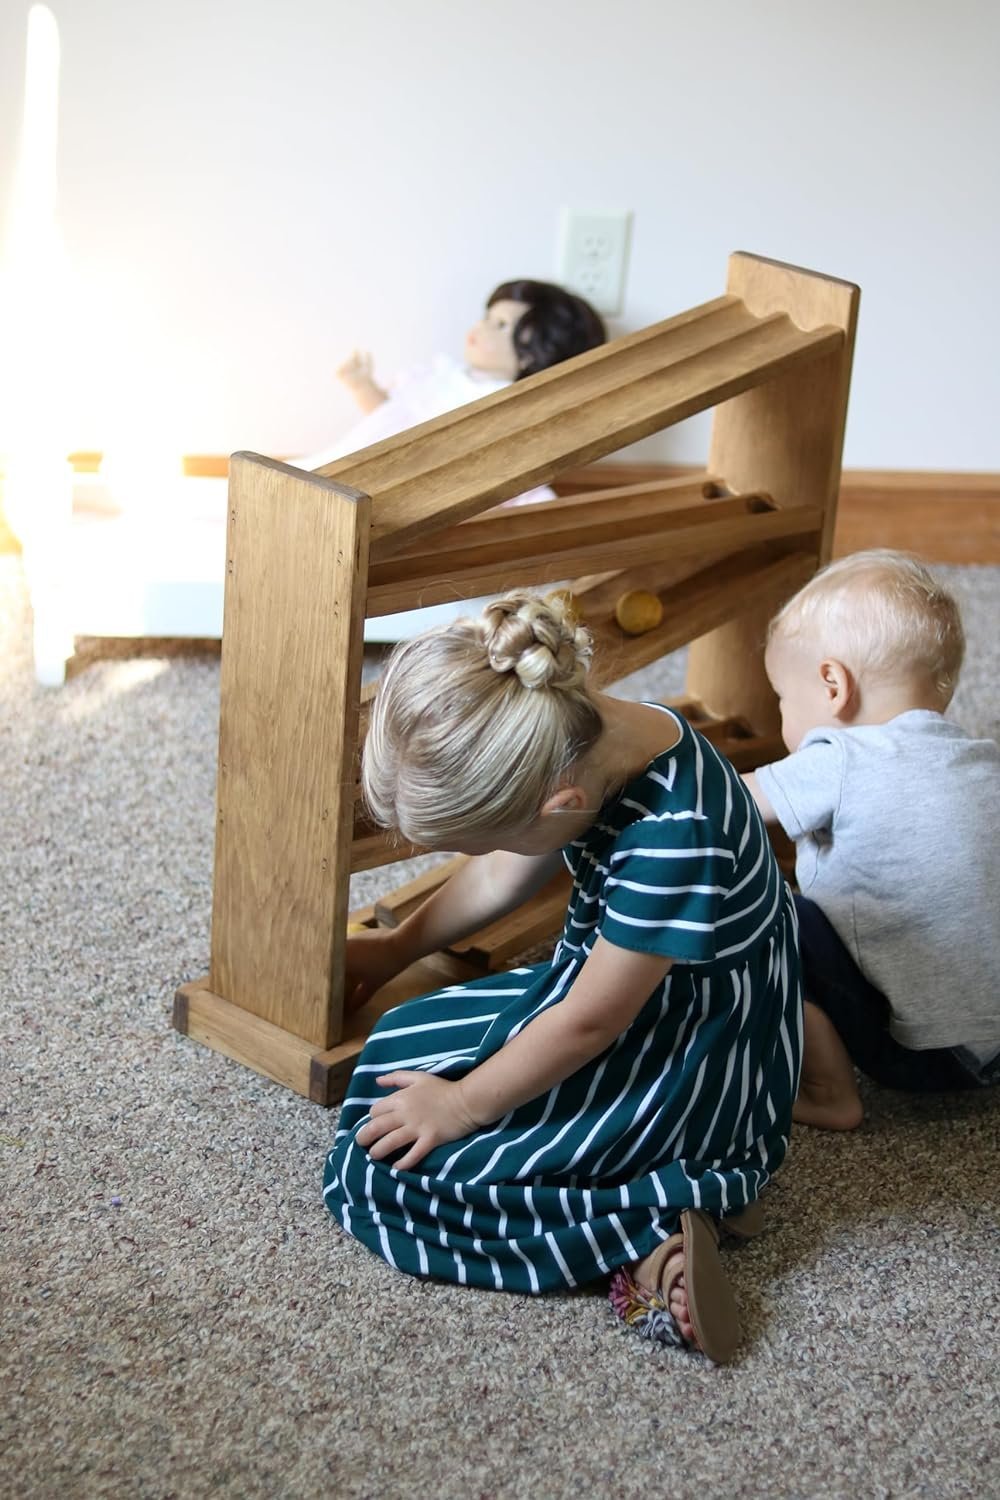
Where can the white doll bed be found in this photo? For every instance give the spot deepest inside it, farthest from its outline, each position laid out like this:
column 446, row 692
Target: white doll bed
column 159, row 568
column 154, row 572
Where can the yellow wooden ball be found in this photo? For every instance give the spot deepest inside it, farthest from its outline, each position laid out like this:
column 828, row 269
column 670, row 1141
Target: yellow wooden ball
column 638, row 611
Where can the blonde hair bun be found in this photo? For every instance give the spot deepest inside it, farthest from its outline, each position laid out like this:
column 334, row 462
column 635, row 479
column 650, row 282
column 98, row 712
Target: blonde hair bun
column 461, row 744
column 538, row 640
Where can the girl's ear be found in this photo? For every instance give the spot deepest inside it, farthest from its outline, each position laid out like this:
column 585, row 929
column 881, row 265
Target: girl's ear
column 840, row 688
column 566, row 799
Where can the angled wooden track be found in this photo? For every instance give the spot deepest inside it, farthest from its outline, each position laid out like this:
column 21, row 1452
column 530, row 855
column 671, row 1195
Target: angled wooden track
column 554, row 541
column 469, row 460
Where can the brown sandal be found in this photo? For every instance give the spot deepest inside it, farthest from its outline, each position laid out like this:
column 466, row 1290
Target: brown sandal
column 745, row 1225
column 711, row 1304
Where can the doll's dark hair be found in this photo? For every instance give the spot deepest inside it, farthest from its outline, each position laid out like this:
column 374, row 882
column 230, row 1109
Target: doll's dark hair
column 557, row 325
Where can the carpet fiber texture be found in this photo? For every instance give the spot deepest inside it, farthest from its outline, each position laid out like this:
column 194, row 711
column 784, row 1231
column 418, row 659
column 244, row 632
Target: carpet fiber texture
column 181, row 1318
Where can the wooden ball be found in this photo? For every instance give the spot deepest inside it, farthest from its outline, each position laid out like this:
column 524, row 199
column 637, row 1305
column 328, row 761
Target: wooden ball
column 638, row 611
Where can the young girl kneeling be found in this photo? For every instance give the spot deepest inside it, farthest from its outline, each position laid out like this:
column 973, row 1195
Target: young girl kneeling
column 605, row 1112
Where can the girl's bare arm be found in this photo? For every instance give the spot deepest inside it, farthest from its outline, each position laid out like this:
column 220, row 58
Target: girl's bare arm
column 484, row 889
column 424, row 1111
column 609, row 992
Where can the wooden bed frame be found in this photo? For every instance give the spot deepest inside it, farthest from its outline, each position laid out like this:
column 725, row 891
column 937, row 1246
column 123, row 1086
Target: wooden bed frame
column 399, row 525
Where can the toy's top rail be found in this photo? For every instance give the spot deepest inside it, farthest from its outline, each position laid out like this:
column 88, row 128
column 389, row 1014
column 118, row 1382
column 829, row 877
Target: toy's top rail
column 473, row 458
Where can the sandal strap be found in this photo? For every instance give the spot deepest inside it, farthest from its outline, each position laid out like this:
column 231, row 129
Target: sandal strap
column 658, row 1258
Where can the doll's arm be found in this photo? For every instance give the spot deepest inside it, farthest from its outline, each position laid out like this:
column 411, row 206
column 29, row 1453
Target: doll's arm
column 356, row 374
column 424, row 1111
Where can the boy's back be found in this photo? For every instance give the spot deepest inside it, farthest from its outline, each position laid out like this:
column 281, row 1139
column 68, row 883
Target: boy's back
column 898, row 832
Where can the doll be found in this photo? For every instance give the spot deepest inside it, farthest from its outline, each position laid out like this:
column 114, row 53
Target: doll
column 527, row 326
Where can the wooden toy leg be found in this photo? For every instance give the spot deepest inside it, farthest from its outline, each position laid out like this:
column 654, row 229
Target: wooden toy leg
column 784, row 438
column 297, row 560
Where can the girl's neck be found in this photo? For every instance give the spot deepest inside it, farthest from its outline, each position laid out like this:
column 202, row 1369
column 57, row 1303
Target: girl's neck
column 633, row 735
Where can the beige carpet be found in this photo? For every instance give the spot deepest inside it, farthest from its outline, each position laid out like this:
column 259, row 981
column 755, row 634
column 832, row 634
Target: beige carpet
column 181, row 1318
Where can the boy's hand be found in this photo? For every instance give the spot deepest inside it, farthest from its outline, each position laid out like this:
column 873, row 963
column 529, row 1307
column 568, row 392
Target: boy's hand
column 424, row 1112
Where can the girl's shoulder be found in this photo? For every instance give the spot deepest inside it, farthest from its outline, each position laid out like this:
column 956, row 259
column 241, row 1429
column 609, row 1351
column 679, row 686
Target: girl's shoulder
column 683, row 783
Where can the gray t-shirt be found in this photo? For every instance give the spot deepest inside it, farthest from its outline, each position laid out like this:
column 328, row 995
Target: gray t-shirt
column 897, row 829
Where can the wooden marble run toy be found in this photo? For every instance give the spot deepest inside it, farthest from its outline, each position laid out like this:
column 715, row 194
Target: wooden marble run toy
column 411, row 522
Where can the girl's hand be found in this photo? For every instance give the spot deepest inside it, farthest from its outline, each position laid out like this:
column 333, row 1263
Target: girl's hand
column 373, row 959
column 424, row 1112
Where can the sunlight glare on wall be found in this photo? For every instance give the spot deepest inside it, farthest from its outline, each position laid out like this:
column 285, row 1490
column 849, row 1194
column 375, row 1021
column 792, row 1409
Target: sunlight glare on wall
column 34, row 379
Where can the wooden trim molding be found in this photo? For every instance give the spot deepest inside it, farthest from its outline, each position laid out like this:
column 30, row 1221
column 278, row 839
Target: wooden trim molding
column 944, row 517
column 206, row 465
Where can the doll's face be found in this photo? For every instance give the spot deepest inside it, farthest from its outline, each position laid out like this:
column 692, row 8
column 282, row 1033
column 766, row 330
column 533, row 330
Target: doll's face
column 489, row 344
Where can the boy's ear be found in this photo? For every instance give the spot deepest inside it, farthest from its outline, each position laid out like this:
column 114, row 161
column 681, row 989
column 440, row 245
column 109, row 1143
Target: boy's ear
column 840, row 688
column 566, row 799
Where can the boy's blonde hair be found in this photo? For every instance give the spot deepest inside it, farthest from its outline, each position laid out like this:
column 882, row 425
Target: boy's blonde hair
column 883, row 614
column 476, row 722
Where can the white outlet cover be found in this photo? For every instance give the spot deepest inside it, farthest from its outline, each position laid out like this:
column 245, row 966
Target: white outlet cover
column 593, row 255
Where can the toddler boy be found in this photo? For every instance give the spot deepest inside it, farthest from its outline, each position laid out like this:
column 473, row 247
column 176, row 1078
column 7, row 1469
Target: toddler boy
column 895, row 812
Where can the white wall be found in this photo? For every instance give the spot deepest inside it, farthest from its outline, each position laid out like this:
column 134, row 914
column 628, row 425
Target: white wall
column 250, row 188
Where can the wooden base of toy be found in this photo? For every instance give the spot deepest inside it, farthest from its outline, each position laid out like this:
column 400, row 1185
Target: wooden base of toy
column 320, row 1074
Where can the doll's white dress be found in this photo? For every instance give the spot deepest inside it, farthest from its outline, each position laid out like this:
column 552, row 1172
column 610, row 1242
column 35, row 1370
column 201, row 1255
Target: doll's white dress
column 418, row 395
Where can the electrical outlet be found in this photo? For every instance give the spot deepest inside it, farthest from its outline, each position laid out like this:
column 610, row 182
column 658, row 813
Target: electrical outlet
column 593, row 255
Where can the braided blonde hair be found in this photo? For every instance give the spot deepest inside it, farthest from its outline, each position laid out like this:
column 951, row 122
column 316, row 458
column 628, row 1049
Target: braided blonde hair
column 476, row 722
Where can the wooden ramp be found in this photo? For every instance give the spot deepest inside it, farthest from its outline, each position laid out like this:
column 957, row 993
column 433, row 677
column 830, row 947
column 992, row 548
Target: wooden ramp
column 576, row 412
column 411, row 521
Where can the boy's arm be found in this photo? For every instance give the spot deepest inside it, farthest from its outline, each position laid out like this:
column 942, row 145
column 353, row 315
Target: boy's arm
column 425, row 1111
column 764, row 807
column 803, row 791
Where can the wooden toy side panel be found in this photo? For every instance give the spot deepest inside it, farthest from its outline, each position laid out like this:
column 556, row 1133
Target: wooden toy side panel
column 297, row 564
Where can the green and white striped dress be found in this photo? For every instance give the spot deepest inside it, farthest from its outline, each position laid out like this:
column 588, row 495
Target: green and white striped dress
column 691, row 1106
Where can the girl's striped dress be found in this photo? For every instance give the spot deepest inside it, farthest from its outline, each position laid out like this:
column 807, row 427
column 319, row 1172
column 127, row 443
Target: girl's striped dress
column 691, row 1106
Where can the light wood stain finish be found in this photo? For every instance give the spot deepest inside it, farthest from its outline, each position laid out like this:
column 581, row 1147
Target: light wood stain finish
column 297, row 558
column 310, row 555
